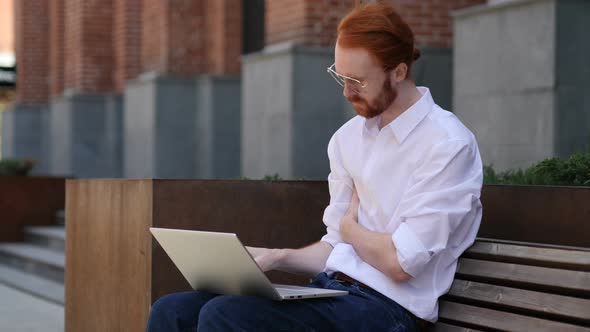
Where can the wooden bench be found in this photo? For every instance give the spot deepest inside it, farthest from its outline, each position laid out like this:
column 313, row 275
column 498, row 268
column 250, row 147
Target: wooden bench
column 509, row 286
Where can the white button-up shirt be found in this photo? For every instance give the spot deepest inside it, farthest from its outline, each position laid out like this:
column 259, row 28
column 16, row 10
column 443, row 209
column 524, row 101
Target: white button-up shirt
column 419, row 179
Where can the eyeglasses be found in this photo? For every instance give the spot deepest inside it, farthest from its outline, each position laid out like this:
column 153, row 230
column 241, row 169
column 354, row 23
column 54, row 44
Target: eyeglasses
column 343, row 80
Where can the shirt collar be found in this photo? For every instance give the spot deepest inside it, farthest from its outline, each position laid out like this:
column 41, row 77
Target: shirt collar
column 403, row 125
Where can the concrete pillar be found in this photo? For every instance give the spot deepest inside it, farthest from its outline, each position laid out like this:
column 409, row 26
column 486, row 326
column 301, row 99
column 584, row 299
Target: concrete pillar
column 24, row 123
column 521, row 79
column 572, row 77
column 290, row 104
column 182, row 127
column 431, row 23
column 290, row 109
column 86, row 115
column 160, row 127
column 85, row 135
column 24, row 135
column 182, row 117
column 218, row 127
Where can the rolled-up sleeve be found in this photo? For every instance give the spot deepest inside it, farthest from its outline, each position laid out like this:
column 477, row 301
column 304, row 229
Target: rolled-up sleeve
column 341, row 187
column 443, row 196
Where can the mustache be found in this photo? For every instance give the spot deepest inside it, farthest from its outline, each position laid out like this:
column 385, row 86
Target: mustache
column 355, row 99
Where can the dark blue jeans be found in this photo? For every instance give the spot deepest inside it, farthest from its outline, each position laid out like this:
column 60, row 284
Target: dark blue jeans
column 361, row 310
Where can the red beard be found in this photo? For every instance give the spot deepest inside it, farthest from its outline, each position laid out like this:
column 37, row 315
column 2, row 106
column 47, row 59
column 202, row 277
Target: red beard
column 368, row 109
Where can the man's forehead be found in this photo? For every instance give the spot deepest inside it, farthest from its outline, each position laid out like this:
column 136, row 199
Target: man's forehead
column 353, row 61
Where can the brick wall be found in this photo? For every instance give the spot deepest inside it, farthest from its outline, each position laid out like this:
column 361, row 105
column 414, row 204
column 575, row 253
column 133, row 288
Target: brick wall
column 307, row 22
column 186, row 47
column 224, row 36
column 32, row 51
column 430, row 19
column 56, row 47
column 314, row 22
column 172, row 37
column 191, row 37
column 96, row 46
column 153, row 35
column 126, row 41
column 88, row 46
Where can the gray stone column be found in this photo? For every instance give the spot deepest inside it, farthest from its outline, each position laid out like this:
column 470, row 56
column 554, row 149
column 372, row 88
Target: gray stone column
column 182, row 127
column 434, row 70
column 25, row 135
column 504, row 80
column 85, row 135
column 572, row 71
column 218, row 125
column 290, row 108
column 521, row 79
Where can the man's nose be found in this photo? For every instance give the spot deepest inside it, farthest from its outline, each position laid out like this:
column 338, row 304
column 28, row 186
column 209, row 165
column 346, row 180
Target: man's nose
column 348, row 91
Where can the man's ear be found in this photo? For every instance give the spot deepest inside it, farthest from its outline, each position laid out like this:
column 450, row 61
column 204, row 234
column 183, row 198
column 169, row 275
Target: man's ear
column 400, row 72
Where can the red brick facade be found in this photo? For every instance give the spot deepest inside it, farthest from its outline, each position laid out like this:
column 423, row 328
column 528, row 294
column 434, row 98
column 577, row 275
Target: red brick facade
column 192, row 37
column 126, row 41
column 308, row 22
column 314, row 22
column 224, row 36
column 153, row 35
column 430, row 19
column 185, row 48
column 96, row 46
column 56, row 48
column 31, row 25
column 89, row 46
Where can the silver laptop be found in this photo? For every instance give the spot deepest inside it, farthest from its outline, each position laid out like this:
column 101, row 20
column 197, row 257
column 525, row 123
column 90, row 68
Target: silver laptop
column 219, row 263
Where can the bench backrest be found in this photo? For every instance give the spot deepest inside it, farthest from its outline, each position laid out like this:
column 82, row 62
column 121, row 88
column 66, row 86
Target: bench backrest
column 518, row 287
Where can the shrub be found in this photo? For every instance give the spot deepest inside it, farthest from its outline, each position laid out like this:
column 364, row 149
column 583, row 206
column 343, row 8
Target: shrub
column 11, row 167
column 573, row 171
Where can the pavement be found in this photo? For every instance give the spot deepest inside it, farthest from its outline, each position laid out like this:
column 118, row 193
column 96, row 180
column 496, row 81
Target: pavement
column 22, row 312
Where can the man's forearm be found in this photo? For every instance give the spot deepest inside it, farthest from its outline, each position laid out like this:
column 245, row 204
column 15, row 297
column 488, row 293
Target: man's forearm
column 309, row 260
column 377, row 249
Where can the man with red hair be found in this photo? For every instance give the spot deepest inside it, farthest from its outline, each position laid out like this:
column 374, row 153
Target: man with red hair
column 405, row 182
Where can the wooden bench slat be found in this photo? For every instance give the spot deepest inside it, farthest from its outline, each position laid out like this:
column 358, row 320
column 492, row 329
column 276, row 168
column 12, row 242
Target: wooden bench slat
column 564, row 282
column 532, row 244
column 442, row 327
column 558, row 307
column 483, row 318
column 545, row 257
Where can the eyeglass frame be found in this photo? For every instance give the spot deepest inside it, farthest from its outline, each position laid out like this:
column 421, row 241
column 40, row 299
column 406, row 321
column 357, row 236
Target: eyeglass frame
column 337, row 76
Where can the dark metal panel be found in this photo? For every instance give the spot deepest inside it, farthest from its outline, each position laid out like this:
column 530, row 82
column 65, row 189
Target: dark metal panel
column 28, row 200
column 283, row 214
column 543, row 214
column 278, row 214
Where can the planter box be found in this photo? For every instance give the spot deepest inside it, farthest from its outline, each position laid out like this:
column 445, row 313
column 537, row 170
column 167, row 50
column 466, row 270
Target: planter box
column 28, row 200
column 115, row 270
column 543, row 214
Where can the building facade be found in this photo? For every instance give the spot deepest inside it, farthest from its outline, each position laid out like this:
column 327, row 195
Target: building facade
column 193, row 89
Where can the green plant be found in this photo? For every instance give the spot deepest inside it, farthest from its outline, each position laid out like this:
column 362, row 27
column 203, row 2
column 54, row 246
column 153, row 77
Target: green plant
column 11, row 167
column 573, row 171
column 274, row 177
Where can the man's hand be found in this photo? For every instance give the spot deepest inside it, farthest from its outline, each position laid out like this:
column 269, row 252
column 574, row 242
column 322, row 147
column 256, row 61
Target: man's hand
column 267, row 259
column 310, row 260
